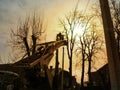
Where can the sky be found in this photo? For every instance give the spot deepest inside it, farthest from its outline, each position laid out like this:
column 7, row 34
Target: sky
column 13, row 10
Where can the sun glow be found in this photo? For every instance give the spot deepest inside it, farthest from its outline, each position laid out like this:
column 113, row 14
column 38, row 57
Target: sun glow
column 78, row 31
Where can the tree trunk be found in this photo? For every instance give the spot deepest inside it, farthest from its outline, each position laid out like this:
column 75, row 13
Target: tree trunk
column 89, row 71
column 70, row 70
column 34, row 44
column 26, row 46
column 83, row 70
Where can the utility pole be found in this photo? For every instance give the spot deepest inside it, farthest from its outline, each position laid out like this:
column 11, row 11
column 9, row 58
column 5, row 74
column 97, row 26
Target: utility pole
column 62, row 88
column 56, row 71
column 111, row 46
column 56, row 66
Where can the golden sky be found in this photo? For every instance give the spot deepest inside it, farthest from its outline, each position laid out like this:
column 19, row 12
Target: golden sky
column 52, row 10
column 13, row 10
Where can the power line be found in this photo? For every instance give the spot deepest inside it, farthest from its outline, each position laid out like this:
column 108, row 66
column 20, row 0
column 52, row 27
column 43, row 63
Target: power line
column 76, row 6
column 86, row 7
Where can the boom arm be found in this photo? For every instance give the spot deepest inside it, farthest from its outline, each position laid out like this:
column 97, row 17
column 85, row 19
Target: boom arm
column 44, row 56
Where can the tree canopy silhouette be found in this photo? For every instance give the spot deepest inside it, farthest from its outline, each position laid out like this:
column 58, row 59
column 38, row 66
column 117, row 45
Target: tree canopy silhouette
column 27, row 34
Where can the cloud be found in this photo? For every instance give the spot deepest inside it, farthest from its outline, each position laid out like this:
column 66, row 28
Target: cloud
column 22, row 3
column 12, row 10
column 8, row 10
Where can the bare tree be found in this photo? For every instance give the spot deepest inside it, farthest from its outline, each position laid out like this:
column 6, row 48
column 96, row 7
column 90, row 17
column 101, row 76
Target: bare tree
column 81, row 52
column 27, row 34
column 116, row 20
column 90, row 43
column 69, row 23
column 94, row 44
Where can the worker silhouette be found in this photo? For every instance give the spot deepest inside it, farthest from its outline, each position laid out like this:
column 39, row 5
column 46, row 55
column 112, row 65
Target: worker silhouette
column 59, row 36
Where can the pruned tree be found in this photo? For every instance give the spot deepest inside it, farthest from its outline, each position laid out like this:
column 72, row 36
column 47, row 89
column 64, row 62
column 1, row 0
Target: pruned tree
column 27, row 34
